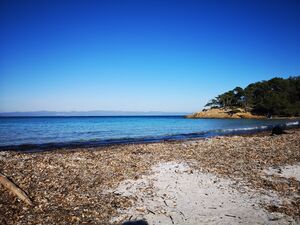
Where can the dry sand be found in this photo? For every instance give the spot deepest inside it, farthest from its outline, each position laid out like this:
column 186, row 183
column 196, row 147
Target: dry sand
column 176, row 194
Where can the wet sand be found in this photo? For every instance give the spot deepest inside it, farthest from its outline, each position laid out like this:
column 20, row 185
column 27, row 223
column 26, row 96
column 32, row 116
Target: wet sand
column 82, row 186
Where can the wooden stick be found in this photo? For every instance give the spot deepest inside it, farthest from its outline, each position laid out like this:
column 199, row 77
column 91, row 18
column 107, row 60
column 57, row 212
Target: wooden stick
column 15, row 189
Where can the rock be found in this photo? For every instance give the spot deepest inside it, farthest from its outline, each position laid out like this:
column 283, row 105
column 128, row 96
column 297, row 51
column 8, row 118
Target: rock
column 225, row 113
column 278, row 130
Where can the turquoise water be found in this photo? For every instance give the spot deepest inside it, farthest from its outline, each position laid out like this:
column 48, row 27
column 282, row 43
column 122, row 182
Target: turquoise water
column 38, row 133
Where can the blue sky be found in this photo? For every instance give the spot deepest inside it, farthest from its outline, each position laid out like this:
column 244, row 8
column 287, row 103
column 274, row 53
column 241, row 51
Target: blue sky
column 140, row 55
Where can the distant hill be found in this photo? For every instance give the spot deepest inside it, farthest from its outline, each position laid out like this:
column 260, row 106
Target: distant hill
column 277, row 97
column 90, row 113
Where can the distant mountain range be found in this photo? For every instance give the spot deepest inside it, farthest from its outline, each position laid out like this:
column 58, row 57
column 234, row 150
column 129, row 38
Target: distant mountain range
column 90, row 113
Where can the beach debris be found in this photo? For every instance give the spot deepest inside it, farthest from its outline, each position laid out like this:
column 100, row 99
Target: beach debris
column 230, row 215
column 171, row 219
column 278, row 130
column 13, row 188
column 150, row 211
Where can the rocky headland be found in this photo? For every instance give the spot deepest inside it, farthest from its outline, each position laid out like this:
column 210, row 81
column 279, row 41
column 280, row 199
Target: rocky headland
column 224, row 113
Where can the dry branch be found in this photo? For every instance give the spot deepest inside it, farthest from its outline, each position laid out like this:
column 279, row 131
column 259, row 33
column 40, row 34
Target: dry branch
column 14, row 189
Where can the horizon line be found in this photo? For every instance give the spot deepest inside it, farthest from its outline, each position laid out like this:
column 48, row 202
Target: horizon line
column 43, row 113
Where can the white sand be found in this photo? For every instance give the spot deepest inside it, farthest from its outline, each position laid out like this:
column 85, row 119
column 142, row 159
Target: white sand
column 285, row 171
column 175, row 194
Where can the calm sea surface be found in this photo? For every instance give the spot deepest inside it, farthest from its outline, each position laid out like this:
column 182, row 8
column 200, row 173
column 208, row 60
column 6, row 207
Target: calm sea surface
column 41, row 133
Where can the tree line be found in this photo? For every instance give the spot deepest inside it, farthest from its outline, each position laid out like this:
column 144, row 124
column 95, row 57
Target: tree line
column 275, row 97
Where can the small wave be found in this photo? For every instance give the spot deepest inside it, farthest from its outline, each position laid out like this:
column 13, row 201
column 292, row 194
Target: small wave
column 294, row 123
column 246, row 129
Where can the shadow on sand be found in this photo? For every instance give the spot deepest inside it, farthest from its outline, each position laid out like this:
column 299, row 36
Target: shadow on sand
column 136, row 222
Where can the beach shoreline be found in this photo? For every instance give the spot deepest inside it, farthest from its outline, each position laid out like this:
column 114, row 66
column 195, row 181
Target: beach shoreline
column 71, row 186
column 43, row 147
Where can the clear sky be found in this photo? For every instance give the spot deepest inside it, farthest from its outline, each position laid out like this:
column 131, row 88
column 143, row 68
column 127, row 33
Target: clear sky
column 141, row 55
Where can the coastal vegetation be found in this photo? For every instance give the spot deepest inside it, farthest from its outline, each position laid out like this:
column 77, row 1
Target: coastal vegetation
column 275, row 97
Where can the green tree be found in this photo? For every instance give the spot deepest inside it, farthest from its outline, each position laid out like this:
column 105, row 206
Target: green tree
column 278, row 96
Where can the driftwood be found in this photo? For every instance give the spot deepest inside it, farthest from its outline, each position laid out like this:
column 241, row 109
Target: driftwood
column 15, row 189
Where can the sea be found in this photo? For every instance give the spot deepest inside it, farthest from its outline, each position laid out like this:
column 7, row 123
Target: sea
column 32, row 134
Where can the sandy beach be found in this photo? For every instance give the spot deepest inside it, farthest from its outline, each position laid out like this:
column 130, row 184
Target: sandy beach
column 250, row 179
column 153, row 112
